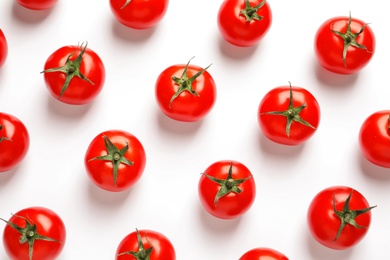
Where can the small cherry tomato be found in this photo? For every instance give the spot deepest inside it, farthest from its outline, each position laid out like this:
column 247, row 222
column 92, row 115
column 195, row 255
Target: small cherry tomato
column 3, row 48
column 263, row 253
column 37, row 4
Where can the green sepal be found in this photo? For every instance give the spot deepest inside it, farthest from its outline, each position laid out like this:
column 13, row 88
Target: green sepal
column 127, row 2
column 250, row 12
column 141, row 254
column 3, row 138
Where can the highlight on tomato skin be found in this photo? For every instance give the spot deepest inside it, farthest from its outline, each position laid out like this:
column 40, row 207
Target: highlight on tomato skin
column 37, row 4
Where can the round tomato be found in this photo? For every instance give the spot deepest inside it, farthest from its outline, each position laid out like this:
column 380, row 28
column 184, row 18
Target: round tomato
column 227, row 189
column 14, row 141
column 139, row 14
column 288, row 115
column 263, row 253
column 74, row 74
column 145, row 244
column 34, row 233
column 3, row 48
column 339, row 217
column 244, row 22
column 37, row 4
column 115, row 160
column 374, row 138
column 344, row 45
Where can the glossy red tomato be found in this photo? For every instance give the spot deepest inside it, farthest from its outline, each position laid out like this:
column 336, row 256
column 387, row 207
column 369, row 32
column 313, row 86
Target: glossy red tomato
column 374, row 138
column 344, row 45
column 37, row 4
column 339, row 217
column 74, row 74
column 263, row 253
column 145, row 244
column 115, row 160
column 289, row 115
column 139, row 14
column 185, row 92
column 244, row 22
column 3, row 48
column 14, row 142
column 227, row 189
column 34, row 233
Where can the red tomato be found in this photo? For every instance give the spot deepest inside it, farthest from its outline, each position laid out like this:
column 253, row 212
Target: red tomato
column 3, row 48
column 139, row 14
column 339, row 217
column 344, row 45
column 227, row 189
column 263, row 253
column 288, row 115
column 74, row 74
column 14, row 142
column 34, row 233
column 115, row 160
column 185, row 92
column 145, row 244
column 374, row 138
column 244, row 22
column 37, row 4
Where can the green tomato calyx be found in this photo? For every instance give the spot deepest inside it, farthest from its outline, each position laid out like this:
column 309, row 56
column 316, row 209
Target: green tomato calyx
column 2, row 138
column 250, row 12
column 142, row 253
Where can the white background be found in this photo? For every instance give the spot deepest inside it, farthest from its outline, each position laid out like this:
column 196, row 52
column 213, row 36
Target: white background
column 165, row 199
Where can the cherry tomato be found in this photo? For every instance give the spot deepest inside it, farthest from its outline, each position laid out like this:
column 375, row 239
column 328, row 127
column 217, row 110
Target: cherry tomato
column 244, row 22
column 37, row 4
column 227, row 189
column 374, row 138
column 14, row 141
column 263, row 253
column 115, row 160
column 34, row 233
column 185, row 92
column 3, row 48
column 339, row 217
column 344, row 45
column 74, row 74
column 145, row 244
column 288, row 115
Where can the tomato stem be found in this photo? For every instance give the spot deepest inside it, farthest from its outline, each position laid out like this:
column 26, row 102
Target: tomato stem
column 142, row 254
column 250, row 12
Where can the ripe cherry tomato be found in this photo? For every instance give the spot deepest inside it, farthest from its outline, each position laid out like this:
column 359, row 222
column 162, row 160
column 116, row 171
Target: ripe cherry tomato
column 344, row 45
column 37, row 4
column 74, row 74
column 14, row 141
column 227, row 189
column 374, row 138
column 115, row 160
column 185, row 92
column 288, row 115
column 263, row 253
column 34, row 233
column 3, row 48
column 139, row 14
column 244, row 22
column 145, row 244
column 339, row 217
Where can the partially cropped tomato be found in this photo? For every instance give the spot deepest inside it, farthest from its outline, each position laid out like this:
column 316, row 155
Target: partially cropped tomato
column 3, row 48
column 263, row 253
column 227, row 189
column 14, row 141
column 185, row 92
column 37, row 4
column 115, row 160
column 74, row 74
column 139, row 14
column 374, row 138
column 288, row 115
column 145, row 244
column 339, row 217
column 34, row 233
column 244, row 22
column 344, row 45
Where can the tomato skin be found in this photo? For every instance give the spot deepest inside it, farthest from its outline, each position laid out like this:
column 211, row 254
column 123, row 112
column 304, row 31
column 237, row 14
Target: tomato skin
column 274, row 126
column 374, row 138
column 236, row 30
column 101, row 172
column 48, row 223
column 232, row 205
column 263, row 253
column 139, row 14
column 162, row 247
column 80, row 91
column 12, row 151
column 3, row 48
column 329, row 47
column 37, row 4
column 324, row 223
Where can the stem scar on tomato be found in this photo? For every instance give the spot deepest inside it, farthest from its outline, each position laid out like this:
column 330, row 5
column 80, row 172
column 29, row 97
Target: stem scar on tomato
column 71, row 69
column 142, row 254
column 250, row 12
column 347, row 216
column 350, row 39
column 2, row 138
column 114, row 155
column 127, row 2
column 185, row 83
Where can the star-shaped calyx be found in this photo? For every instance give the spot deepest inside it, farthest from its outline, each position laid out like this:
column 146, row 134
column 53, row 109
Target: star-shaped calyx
column 2, row 138
column 142, row 253
column 250, row 12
